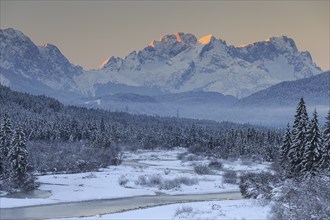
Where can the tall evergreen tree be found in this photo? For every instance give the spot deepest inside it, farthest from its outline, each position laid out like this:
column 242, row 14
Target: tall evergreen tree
column 5, row 139
column 312, row 157
column 102, row 126
column 18, row 160
column 326, row 144
column 298, row 139
column 192, row 136
column 284, row 151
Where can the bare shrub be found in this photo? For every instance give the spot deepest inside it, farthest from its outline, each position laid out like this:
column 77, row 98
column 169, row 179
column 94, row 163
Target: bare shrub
column 167, row 171
column 142, row 180
column 123, row 180
column 202, row 169
column 166, row 184
column 192, row 157
column 169, row 184
column 230, row 176
column 187, row 181
column 154, row 180
column 183, row 210
column 177, row 182
column 307, row 199
column 151, row 181
column 215, row 165
column 253, row 185
column 181, row 156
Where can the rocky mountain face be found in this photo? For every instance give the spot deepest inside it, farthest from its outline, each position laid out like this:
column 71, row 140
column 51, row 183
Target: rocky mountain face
column 31, row 68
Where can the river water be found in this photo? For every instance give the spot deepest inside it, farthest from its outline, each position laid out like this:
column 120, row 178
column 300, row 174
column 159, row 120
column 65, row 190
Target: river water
column 107, row 206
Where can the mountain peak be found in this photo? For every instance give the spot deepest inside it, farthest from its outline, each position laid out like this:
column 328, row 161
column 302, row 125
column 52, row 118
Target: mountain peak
column 15, row 37
column 104, row 64
column 282, row 42
column 178, row 37
column 12, row 32
column 206, row 39
column 50, row 48
column 111, row 63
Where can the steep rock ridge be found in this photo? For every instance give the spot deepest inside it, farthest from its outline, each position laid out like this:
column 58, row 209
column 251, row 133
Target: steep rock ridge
column 23, row 61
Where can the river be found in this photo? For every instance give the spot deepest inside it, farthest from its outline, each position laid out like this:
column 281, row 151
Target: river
column 106, row 206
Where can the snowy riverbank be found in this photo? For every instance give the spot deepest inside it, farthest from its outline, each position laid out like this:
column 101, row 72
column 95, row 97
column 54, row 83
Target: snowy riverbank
column 159, row 167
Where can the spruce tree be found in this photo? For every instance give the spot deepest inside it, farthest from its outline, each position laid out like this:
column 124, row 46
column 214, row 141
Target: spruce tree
column 284, row 151
column 5, row 139
column 102, row 126
column 326, row 144
column 18, row 160
column 312, row 157
column 298, row 139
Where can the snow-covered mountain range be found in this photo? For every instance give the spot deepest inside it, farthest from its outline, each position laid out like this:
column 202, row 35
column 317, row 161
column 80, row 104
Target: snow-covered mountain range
column 175, row 75
column 175, row 63
column 182, row 63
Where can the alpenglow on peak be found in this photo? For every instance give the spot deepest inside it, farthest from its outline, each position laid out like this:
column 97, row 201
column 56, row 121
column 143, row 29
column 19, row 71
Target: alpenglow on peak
column 177, row 37
column 206, row 39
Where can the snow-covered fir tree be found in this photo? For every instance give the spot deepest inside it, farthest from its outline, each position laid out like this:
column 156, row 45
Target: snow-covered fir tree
column 284, row 151
column 299, row 140
column 5, row 139
column 312, row 158
column 326, row 144
column 17, row 156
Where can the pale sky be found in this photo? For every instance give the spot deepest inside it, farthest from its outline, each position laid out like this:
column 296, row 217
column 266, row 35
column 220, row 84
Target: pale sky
column 88, row 32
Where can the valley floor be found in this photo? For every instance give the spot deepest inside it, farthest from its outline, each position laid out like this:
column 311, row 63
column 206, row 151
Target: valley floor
column 150, row 173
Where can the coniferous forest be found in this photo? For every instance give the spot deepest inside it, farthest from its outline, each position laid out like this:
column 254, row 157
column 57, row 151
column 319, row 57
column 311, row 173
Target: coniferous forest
column 304, row 173
column 68, row 139
column 39, row 135
column 299, row 186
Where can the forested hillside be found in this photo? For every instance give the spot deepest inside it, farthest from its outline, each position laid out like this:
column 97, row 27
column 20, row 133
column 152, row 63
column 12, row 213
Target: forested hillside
column 46, row 122
column 315, row 91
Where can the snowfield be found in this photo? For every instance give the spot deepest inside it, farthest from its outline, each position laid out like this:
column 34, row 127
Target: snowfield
column 156, row 172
